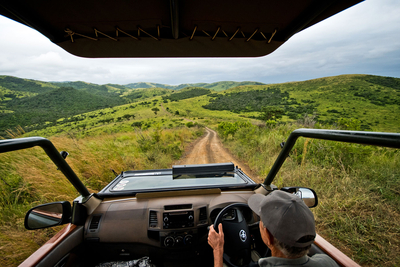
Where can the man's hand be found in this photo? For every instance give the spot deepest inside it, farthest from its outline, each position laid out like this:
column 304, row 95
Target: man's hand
column 216, row 241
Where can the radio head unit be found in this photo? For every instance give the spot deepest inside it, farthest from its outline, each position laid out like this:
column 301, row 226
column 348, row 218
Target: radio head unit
column 177, row 220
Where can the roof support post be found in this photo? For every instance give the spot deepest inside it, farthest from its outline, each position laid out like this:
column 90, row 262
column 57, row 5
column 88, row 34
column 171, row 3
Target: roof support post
column 174, row 9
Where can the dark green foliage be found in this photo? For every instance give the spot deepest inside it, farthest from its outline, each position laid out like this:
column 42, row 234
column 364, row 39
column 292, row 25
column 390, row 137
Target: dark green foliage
column 247, row 101
column 383, row 81
column 190, row 124
column 186, row 93
column 25, row 85
column 95, row 89
column 349, row 124
column 33, row 112
column 271, row 113
column 258, row 100
column 226, row 129
column 137, row 124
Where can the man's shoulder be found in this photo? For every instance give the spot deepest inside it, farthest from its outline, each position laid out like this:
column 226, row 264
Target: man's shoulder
column 322, row 260
column 306, row 261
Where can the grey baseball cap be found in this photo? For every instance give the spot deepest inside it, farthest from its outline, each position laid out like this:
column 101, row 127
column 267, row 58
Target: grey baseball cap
column 286, row 217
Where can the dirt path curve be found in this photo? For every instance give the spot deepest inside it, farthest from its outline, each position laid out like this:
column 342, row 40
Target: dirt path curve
column 209, row 149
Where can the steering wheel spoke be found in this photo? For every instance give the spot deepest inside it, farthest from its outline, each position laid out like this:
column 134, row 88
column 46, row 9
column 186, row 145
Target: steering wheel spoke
column 237, row 249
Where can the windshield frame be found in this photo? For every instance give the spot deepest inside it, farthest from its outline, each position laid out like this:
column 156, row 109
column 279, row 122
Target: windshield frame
column 109, row 192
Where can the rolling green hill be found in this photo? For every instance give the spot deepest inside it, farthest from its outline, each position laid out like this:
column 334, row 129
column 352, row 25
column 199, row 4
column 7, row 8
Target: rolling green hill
column 134, row 95
column 18, row 85
column 186, row 93
column 358, row 102
column 217, row 86
column 34, row 112
column 221, row 86
column 373, row 102
column 357, row 185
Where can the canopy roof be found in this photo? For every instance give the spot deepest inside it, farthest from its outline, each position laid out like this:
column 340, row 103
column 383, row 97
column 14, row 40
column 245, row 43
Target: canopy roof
column 160, row 28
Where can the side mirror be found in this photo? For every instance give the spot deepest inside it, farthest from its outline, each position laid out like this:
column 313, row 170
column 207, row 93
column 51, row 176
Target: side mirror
column 307, row 194
column 48, row 215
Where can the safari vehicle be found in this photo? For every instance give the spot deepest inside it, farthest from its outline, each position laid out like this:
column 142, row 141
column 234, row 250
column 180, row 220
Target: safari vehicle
column 165, row 214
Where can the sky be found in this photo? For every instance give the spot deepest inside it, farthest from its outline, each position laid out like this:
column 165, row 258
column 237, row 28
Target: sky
column 364, row 39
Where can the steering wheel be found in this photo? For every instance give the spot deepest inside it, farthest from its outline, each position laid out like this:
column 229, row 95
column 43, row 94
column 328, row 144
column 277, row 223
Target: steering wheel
column 237, row 248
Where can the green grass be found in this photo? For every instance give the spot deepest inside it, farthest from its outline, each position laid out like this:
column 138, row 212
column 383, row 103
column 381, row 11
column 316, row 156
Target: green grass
column 372, row 100
column 358, row 188
column 30, row 178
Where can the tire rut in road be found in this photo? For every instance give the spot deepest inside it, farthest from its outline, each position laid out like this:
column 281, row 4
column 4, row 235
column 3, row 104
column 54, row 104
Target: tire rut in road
column 209, row 149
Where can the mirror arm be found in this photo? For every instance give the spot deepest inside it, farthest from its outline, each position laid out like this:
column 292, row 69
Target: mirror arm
column 359, row 137
column 79, row 213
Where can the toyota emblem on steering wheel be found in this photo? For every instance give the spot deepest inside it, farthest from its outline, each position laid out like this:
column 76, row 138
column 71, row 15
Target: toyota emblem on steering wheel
column 243, row 235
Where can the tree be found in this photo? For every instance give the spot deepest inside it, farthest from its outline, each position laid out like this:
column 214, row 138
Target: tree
column 271, row 113
column 155, row 110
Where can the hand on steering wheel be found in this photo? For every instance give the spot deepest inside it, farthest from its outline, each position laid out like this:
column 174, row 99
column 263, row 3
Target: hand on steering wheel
column 237, row 248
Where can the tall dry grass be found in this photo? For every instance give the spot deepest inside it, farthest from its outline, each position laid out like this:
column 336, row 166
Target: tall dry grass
column 29, row 178
column 358, row 188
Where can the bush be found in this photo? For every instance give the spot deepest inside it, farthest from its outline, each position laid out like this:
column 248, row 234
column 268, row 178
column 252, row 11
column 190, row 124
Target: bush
column 349, row 124
column 227, row 128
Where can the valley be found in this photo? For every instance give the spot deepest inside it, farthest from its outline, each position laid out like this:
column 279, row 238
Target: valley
column 112, row 128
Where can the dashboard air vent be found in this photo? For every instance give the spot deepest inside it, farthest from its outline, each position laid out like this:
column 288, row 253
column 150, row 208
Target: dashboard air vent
column 153, row 221
column 94, row 223
column 203, row 215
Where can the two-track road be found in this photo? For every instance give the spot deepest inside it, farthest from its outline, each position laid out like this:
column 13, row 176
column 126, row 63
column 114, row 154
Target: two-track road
column 209, row 149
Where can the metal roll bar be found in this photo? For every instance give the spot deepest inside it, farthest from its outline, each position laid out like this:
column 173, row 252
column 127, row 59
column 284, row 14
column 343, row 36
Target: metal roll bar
column 28, row 142
column 358, row 137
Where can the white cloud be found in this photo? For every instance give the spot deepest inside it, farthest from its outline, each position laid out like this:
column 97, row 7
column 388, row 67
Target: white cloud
column 362, row 39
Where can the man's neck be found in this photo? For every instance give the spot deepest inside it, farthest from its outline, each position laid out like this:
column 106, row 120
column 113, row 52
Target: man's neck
column 277, row 253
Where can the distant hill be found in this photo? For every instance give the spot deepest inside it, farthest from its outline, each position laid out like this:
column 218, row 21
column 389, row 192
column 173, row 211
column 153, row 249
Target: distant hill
column 22, row 86
column 217, row 86
column 31, row 103
column 186, row 93
column 371, row 101
column 134, row 95
column 62, row 102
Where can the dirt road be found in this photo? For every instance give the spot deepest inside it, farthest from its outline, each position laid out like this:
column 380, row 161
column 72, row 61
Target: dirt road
column 209, row 149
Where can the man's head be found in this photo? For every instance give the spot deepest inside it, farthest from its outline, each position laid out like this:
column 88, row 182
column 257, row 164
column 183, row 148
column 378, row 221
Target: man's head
column 286, row 217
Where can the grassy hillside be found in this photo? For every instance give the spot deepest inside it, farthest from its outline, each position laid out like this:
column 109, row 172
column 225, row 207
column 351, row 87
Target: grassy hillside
column 371, row 102
column 37, row 111
column 144, row 85
column 30, row 178
column 217, row 86
column 186, row 93
column 25, row 85
column 221, row 86
column 134, row 95
column 357, row 186
column 35, row 105
column 108, row 90
column 356, row 102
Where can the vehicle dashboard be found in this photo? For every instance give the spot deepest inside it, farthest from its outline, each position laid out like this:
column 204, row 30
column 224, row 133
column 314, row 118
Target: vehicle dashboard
column 164, row 219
